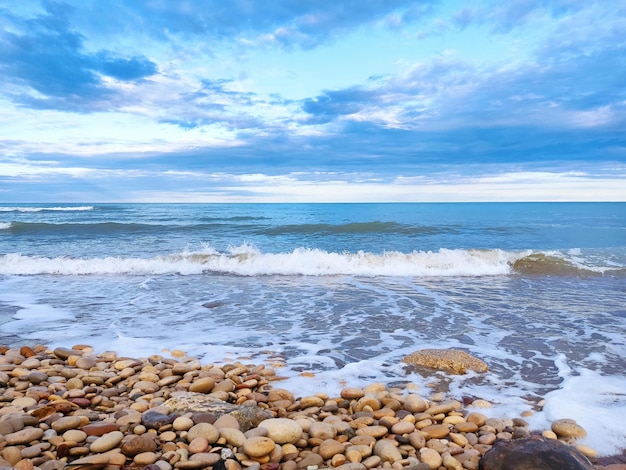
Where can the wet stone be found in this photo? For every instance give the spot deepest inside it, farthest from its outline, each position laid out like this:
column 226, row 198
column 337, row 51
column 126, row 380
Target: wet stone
column 156, row 420
column 138, row 445
column 533, row 453
column 64, row 353
column 568, row 428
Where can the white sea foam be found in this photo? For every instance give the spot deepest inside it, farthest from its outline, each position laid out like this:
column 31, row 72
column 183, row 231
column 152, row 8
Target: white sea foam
column 597, row 402
column 247, row 261
column 5, row 225
column 42, row 209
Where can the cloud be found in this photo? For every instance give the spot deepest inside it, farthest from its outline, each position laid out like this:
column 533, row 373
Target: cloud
column 165, row 90
column 282, row 22
column 333, row 104
column 44, row 61
column 124, row 69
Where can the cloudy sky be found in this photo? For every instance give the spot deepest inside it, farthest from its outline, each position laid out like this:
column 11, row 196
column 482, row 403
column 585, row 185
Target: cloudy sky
column 312, row 100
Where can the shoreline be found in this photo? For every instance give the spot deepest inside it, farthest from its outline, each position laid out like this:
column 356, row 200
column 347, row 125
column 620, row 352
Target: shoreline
column 66, row 401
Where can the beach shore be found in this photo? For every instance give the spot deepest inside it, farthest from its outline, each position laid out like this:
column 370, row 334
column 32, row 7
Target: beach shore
column 72, row 407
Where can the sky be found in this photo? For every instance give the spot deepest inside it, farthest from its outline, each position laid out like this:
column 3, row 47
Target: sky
column 312, row 101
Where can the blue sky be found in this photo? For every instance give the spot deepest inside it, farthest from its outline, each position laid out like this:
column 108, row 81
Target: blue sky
column 301, row 100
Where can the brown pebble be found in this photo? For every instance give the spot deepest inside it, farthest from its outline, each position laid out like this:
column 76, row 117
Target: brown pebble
column 25, row 436
column 258, row 446
column 11, row 454
column 138, row 445
column 437, row 431
column 99, row 429
column 226, row 421
column 374, row 431
column 466, row 427
column 145, row 458
column 24, row 464
column 568, row 428
column 198, row 445
column 203, row 385
column 329, row 448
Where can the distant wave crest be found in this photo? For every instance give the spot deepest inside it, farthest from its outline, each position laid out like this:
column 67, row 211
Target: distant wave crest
column 42, row 209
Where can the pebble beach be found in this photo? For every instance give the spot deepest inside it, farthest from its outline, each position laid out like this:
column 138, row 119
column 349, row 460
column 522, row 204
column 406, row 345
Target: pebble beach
column 74, row 408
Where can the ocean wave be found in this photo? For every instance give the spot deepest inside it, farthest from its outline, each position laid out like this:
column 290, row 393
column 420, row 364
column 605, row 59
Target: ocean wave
column 246, row 260
column 554, row 264
column 97, row 228
column 42, row 209
column 358, row 228
column 5, row 225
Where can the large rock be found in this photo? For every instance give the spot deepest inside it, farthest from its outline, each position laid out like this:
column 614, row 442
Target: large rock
column 449, row 360
column 248, row 416
column 533, row 453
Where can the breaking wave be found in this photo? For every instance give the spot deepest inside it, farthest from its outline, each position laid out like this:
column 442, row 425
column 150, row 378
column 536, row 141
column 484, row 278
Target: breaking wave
column 246, row 260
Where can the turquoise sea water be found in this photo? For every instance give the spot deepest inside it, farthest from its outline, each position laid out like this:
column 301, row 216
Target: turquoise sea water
column 344, row 291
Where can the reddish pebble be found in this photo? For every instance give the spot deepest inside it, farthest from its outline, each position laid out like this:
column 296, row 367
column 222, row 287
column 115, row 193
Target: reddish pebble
column 99, row 429
column 270, row 466
column 82, row 402
column 26, row 351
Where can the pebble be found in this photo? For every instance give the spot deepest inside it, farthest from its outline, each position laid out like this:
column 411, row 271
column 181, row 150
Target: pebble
column 430, row 457
column 198, row 445
column 145, row 458
column 282, row 430
column 25, row 436
column 72, row 407
column 75, row 435
column 206, row 459
column 204, row 430
column 182, row 423
column 387, row 451
column 352, row 393
column 322, row 430
column 374, row 431
column 99, row 429
column 68, row 422
column 329, row 448
column 106, row 442
column 138, row 445
column 414, row 403
column 203, row 385
column 568, row 428
column 155, row 420
column 403, row 427
column 258, row 446
column 436, row 431
column 226, row 421
column 11, row 454
column 233, row 437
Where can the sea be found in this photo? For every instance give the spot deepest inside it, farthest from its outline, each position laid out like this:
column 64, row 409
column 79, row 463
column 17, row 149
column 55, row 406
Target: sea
column 335, row 295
